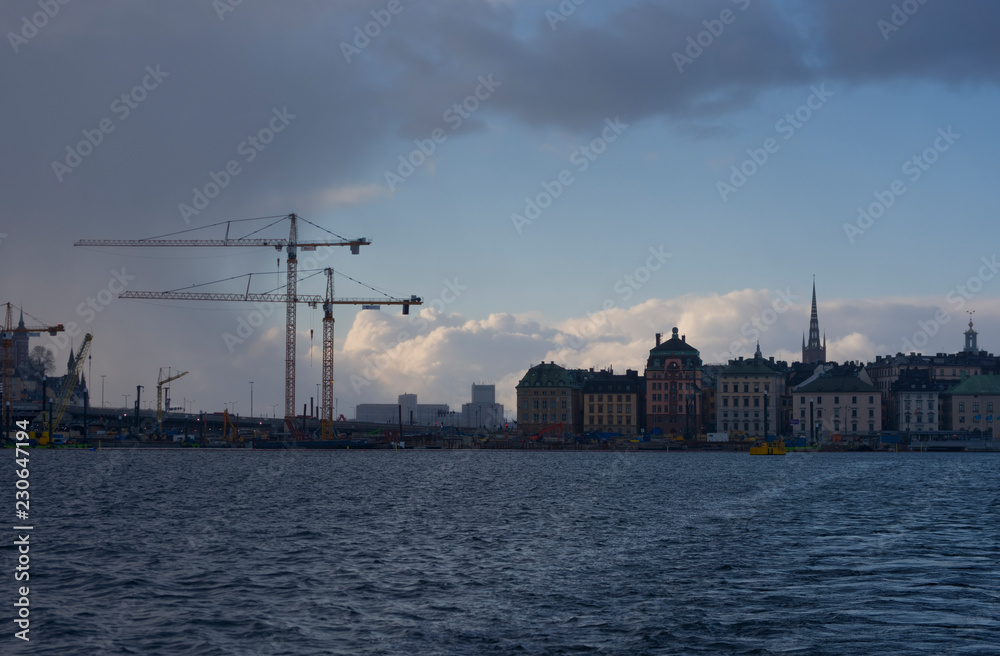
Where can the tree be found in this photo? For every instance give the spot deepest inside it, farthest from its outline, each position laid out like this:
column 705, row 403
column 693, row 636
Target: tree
column 41, row 361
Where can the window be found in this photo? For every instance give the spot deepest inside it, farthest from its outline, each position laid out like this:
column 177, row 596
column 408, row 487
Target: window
column 989, row 406
column 536, row 407
column 854, row 412
column 871, row 412
column 536, row 417
column 961, row 420
column 725, row 402
column 836, row 425
column 871, row 399
column 545, row 404
column 746, row 401
column 961, row 406
column 871, row 427
column 600, row 408
column 619, row 400
column 819, row 413
column 819, row 400
column 756, row 401
column 725, row 387
column 836, row 412
column 802, row 400
column 756, row 388
column 746, row 387
column 854, row 426
column 802, row 413
column 619, row 405
column 756, row 425
column 767, row 388
column 975, row 406
column 725, row 425
column 590, row 408
column 854, row 400
column 836, row 400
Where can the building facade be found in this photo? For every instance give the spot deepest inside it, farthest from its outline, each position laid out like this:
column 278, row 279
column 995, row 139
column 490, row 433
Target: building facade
column 548, row 395
column 673, row 395
column 750, row 394
column 613, row 403
column 836, row 405
column 973, row 405
column 916, row 402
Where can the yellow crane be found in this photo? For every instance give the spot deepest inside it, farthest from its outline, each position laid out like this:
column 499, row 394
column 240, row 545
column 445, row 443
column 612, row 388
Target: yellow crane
column 70, row 382
column 160, row 382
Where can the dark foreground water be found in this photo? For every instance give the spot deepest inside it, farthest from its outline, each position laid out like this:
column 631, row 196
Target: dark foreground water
column 466, row 552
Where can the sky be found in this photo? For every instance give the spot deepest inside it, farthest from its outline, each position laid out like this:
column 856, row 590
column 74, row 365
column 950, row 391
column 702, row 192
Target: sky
column 559, row 181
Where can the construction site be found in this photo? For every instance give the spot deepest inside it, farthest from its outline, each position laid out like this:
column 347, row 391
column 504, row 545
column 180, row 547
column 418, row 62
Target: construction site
column 59, row 409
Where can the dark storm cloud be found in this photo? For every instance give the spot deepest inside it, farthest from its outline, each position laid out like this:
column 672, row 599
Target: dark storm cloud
column 228, row 72
column 580, row 72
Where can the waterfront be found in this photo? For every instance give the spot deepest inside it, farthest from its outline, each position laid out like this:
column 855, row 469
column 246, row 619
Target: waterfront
column 492, row 552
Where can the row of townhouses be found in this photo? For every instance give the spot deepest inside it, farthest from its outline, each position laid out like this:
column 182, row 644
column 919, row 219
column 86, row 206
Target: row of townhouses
column 750, row 398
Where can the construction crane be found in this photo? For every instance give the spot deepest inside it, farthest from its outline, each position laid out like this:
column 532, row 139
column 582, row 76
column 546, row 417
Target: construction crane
column 7, row 347
column 70, row 382
column 160, row 382
column 291, row 246
column 326, row 425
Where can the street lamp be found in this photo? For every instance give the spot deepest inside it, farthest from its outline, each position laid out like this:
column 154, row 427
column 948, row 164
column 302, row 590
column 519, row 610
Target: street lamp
column 102, row 389
column 251, row 398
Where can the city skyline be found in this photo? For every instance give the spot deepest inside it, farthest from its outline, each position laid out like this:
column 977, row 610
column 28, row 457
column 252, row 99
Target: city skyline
column 556, row 181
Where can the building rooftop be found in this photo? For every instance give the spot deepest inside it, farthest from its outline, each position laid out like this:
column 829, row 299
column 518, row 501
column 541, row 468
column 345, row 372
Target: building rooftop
column 978, row 385
column 829, row 383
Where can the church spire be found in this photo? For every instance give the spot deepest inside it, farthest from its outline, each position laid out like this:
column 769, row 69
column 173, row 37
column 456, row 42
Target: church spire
column 20, row 323
column 815, row 350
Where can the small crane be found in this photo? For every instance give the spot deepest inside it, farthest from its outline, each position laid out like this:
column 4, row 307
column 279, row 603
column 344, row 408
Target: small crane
column 8, row 355
column 160, row 382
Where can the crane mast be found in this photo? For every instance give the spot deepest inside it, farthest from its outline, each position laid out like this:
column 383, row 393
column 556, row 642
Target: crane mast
column 326, row 423
column 160, row 382
column 290, row 308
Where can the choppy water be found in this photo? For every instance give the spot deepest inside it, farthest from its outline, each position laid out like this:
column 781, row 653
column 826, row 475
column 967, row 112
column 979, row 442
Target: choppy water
column 468, row 552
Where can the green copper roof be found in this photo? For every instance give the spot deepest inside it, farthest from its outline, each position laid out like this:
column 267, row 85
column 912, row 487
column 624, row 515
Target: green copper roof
column 550, row 375
column 978, row 385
